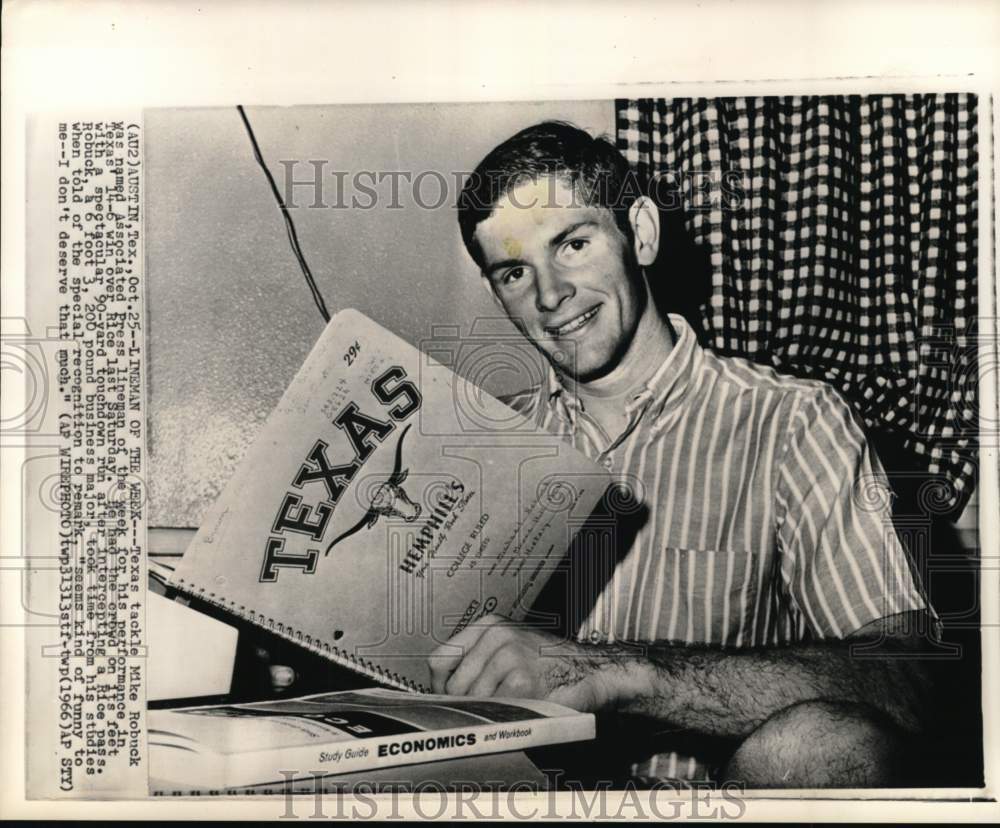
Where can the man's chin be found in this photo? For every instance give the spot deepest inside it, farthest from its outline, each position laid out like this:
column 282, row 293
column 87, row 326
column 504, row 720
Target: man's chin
column 580, row 364
column 583, row 371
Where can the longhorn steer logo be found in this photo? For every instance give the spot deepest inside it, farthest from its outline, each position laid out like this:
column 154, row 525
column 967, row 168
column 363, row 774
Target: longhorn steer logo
column 389, row 499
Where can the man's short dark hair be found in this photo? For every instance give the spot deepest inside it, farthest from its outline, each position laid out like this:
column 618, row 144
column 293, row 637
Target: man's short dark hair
column 600, row 175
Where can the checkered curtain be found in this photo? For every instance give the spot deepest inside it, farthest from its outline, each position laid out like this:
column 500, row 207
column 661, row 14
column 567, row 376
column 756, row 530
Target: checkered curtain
column 841, row 233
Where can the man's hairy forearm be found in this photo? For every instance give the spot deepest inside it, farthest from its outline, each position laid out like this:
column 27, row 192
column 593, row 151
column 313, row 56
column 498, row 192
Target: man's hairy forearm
column 732, row 692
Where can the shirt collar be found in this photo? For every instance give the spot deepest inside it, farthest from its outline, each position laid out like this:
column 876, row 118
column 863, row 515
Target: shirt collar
column 664, row 389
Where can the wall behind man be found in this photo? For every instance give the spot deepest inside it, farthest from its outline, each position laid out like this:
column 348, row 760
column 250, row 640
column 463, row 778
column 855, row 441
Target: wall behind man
column 230, row 318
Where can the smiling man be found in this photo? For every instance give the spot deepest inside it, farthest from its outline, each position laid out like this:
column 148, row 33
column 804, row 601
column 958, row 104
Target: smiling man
column 757, row 565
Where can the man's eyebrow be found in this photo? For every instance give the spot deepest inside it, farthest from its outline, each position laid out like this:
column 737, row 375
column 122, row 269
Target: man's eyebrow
column 560, row 237
column 555, row 241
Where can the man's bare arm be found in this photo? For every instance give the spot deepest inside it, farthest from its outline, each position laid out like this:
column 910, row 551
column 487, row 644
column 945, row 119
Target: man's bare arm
column 700, row 689
column 732, row 692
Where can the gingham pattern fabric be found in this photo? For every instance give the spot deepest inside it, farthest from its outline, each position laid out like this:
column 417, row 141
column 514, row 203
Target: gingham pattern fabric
column 842, row 233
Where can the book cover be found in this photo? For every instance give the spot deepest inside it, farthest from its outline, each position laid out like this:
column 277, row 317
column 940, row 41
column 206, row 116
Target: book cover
column 493, row 771
column 386, row 504
column 223, row 746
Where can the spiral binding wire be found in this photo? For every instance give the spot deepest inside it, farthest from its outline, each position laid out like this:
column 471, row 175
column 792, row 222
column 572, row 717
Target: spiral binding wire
column 321, row 648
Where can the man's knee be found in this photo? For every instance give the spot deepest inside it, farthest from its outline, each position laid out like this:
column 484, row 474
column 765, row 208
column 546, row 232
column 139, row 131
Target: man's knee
column 820, row 744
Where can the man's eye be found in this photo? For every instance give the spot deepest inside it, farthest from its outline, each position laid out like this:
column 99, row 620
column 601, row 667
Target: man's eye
column 574, row 246
column 512, row 275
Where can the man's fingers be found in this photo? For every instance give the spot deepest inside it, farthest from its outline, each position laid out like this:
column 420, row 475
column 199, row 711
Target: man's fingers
column 443, row 662
column 518, row 684
column 447, row 657
column 282, row 677
column 476, row 659
column 507, row 667
column 439, row 671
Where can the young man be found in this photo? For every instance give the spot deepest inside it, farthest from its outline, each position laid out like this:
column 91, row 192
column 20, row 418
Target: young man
column 760, row 560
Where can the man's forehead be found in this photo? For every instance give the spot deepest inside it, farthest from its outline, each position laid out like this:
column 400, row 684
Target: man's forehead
column 539, row 205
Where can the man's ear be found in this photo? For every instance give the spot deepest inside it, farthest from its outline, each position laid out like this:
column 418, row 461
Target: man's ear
column 644, row 217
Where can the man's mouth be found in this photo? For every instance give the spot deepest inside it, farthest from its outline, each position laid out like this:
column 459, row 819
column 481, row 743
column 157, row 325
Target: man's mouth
column 574, row 324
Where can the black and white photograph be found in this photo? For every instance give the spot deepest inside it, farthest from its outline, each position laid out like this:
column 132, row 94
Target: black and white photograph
column 768, row 344
column 561, row 445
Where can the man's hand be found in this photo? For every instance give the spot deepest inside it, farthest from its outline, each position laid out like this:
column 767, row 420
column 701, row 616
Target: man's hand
column 281, row 677
column 495, row 657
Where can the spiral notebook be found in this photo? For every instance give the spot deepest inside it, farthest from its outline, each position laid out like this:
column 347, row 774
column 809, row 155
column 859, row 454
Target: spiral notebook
column 386, row 504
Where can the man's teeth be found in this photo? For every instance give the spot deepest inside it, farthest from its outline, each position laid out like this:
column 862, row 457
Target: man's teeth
column 574, row 324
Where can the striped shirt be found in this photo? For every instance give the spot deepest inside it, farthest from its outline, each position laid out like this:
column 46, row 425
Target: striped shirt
column 769, row 516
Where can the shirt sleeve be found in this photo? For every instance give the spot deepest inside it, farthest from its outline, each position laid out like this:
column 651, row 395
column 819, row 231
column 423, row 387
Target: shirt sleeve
column 842, row 563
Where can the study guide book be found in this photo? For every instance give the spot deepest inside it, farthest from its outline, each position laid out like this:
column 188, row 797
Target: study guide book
column 386, row 504
column 227, row 746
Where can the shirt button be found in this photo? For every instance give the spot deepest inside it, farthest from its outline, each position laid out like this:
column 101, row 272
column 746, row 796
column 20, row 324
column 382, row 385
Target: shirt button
column 596, row 637
column 607, row 462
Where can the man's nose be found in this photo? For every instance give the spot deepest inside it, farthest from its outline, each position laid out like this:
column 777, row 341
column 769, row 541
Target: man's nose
column 552, row 289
